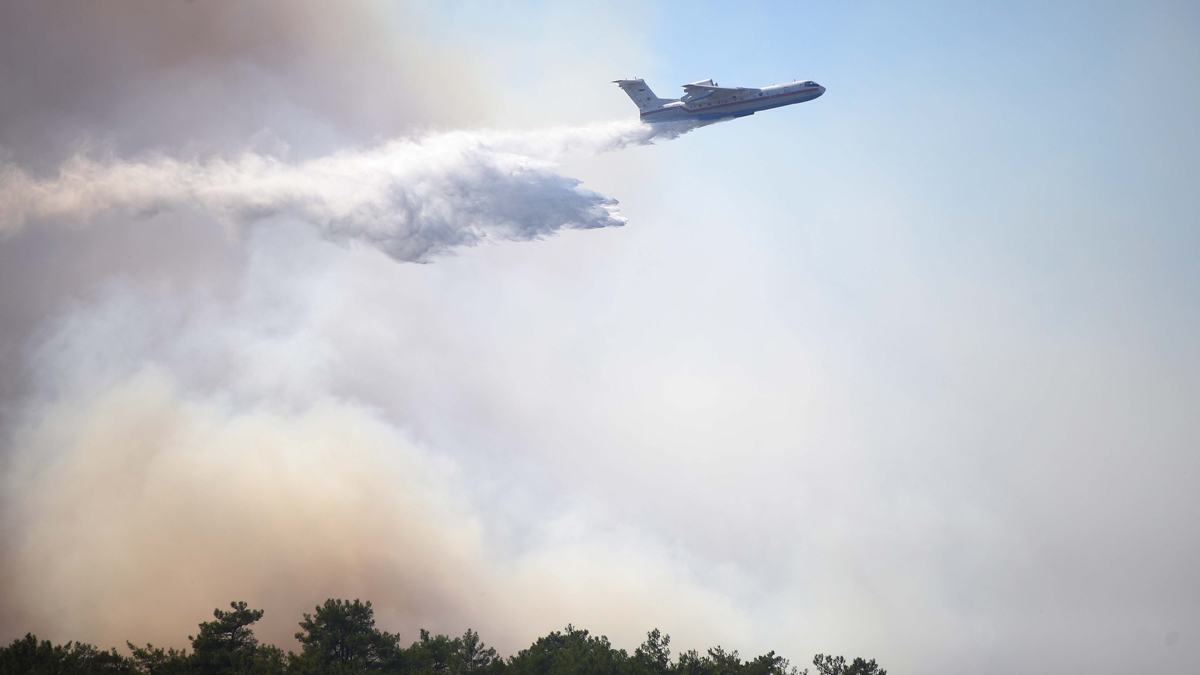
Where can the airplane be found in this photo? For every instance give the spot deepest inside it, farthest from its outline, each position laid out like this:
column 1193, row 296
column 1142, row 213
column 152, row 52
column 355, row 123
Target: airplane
column 704, row 100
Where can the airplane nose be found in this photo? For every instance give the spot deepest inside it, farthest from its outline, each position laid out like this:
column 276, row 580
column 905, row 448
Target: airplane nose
column 822, row 90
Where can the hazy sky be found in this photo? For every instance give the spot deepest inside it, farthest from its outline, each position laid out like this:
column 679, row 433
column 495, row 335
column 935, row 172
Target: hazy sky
column 907, row 372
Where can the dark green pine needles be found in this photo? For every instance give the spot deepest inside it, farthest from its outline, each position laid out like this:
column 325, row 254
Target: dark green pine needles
column 340, row 638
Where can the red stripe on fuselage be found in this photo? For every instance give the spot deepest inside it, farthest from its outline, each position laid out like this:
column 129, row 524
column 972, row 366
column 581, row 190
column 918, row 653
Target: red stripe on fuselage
column 722, row 105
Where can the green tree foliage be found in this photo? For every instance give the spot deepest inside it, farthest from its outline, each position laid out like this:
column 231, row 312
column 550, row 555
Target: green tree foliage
column 653, row 657
column 466, row 655
column 471, row 656
column 228, row 645
column 340, row 638
column 770, row 664
column 153, row 660
column 720, row 662
column 836, row 665
column 573, row 652
column 26, row 656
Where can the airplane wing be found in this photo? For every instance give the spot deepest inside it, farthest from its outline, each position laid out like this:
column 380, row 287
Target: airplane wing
column 712, row 89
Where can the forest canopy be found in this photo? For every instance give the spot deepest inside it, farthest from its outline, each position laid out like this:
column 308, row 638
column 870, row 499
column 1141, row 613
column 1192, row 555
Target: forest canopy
column 340, row 638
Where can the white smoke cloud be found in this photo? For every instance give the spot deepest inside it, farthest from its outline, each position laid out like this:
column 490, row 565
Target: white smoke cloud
column 411, row 197
column 131, row 475
column 169, row 449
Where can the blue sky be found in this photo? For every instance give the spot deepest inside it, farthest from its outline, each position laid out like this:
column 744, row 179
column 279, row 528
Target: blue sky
column 976, row 247
column 988, row 120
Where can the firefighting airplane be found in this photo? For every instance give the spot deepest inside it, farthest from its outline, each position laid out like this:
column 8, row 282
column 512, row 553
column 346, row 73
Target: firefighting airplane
column 705, row 100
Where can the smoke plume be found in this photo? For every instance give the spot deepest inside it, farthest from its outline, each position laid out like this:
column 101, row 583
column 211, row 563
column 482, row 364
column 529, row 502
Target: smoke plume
column 208, row 451
column 182, row 426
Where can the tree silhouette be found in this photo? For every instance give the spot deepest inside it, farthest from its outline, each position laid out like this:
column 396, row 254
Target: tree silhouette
column 153, row 660
column 28, row 655
column 227, row 645
column 340, row 638
column 836, row 665
column 653, row 657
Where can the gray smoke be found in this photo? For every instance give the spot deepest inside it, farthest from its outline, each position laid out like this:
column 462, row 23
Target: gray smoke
column 183, row 418
column 203, row 453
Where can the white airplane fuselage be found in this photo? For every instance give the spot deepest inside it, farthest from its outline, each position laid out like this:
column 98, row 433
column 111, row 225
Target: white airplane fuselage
column 705, row 101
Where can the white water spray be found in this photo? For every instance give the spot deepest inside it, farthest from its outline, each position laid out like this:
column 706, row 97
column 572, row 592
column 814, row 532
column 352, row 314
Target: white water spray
column 411, row 197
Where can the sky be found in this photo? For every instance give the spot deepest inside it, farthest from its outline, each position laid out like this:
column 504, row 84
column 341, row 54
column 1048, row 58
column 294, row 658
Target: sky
column 397, row 301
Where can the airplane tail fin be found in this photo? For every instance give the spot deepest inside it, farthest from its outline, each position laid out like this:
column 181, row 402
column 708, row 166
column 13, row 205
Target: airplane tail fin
column 641, row 94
